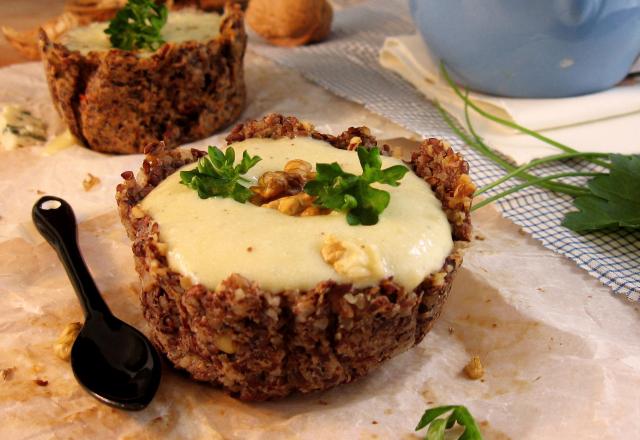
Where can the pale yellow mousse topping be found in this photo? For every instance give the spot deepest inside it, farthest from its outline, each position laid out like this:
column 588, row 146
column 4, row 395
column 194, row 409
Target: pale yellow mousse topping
column 210, row 239
column 181, row 26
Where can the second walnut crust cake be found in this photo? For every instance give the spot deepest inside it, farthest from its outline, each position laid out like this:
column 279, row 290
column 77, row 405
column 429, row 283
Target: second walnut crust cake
column 116, row 101
column 260, row 344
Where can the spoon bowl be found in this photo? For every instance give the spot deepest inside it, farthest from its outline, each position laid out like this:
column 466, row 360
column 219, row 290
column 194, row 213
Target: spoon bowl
column 113, row 361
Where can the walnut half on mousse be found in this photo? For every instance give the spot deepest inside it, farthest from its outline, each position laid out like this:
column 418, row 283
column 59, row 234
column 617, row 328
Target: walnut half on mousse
column 282, row 190
column 265, row 302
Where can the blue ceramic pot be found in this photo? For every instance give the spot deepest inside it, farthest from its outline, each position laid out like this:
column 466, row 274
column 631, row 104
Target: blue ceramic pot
column 532, row 48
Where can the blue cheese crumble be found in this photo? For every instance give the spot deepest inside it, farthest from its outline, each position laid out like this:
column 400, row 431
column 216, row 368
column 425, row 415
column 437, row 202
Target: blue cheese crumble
column 19, row 128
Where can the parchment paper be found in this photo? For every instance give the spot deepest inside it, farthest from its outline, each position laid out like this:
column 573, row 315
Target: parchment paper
column 561, row 354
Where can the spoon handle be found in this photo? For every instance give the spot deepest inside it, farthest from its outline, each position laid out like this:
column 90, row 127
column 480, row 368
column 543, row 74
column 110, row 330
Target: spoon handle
column 55, row 220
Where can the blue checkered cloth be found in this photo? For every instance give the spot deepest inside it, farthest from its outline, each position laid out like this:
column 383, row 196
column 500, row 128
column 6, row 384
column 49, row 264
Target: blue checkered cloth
column 347, row 64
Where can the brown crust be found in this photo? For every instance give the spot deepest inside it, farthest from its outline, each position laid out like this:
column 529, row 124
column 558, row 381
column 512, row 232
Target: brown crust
column 291, row 340
column 116, row 102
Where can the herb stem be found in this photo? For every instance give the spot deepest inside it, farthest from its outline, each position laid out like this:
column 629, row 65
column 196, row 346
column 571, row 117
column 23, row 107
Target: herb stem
column 511, row 124
column 536, row 162
column 530, row 183
column 482, row 148
column 554, row 186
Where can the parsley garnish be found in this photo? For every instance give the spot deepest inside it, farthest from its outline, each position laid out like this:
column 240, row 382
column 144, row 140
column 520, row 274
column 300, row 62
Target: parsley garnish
column 137, row 25
column 216, row 176
column 437, row 426
column 614, row 200
column 341, row 191
column 609, row 200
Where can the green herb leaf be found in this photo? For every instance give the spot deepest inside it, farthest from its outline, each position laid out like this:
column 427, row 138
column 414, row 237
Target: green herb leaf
column 437, row 426
column 431, row 414
column 436, row 430
column 138, row 25
column 216, row 176
column 615, row 198
column 345, row 192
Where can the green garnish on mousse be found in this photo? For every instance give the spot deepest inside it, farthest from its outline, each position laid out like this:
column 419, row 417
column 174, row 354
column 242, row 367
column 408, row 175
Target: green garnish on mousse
column 137, row 25
column 608, row 200
column 216, row 176
column 341, row 191
column 438, row 425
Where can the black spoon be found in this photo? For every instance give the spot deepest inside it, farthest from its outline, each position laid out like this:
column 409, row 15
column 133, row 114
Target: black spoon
column 112, row 360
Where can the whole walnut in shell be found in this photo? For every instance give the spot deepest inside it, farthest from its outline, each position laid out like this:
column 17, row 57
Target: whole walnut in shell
column 290, row 22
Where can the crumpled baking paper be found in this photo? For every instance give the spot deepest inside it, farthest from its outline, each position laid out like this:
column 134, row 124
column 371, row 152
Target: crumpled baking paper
column 561, row 354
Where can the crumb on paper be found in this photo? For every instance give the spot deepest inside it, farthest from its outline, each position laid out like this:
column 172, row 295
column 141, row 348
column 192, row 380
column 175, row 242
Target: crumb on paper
column 540, row 289
column 160, row 422
column 450, row 330
column 41, row 382
column 250, row 249
column 521, row 231
column 480, row 237
column 374, row 422
column 40, row 192
column 62, row 347
column 428, row 394
column 474, row 369
column 7, row 373
column 90, row 181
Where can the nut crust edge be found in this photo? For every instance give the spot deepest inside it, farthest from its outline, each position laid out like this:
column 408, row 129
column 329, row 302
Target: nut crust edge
column 258, row 344
column 116, row 102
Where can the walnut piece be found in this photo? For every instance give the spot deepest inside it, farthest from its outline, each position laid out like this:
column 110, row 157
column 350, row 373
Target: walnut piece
column 290, row 22
column 224, row 343
column 90, row 181
column 291, row 205
column 354, row 143
column 352, row 260
column 282, row 190
column 474, row 369
column 62, row 347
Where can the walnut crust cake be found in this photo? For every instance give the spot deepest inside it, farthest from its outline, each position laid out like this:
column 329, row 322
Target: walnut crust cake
column 115, row 101
column 259, row 344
